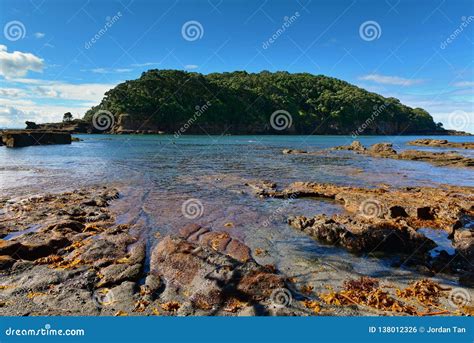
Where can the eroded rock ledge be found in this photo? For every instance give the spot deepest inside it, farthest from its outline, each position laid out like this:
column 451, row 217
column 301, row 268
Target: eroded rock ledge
column 363, row 236
column 447, row 207
column 386, row 150
column 441, row 143
column 387, row 220
column 64, row 254
column 23, row 138
column 209, row 282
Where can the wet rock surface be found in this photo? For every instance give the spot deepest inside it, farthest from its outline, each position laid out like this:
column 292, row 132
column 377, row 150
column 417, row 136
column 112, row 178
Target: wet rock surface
column 441, row 143
column 207, row 281
column 78, row 261
column 386, row 220
column 386, row 150
column 363, row 236
column 293, row 151
column 74, row 252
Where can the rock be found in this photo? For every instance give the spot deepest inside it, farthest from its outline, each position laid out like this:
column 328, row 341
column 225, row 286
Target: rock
column 361, row 236
column 6, row 262
column 209, row 278
column 441, row 207
column 264, row 188
column 217, row 240
column 70, row 224
column 23, row 138
column 57, row 266
column 385, row 150
column 437, row 158
column 248, row 311
column 464, row 242
column 153, row 282
column 355, row 146
column 442, row 143
column 71, row 126
column 31, row 125
column 381, row 150
column 36, row 246
column 293, row 151
column 117, row 273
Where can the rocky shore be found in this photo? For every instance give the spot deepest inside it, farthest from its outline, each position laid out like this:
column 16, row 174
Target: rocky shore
column 386, row 150
column 386, row 220
column 441, row 143
column 23, row 138
column 63, row 254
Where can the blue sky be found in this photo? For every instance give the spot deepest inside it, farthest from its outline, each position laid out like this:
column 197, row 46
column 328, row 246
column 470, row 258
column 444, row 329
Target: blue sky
column 58, row 56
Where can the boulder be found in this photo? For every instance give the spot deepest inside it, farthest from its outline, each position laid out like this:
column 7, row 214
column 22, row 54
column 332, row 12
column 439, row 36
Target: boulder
column 359, row 236
column 382, row 150
column 209, row 278
column 23, row 138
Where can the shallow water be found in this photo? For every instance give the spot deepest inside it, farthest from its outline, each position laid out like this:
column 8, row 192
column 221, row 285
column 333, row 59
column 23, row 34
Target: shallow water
column 157, row 174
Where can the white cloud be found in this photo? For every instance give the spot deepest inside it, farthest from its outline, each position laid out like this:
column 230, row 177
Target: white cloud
column 46, row 92
column 89, row 92
column 146, row 64
column 191, row 66
column 463, row 84
column 39, row 35
column 17, row 64
column 15, row 117
column 29, row 102
column 390, row 80
column 443, row 106
column 11, row 92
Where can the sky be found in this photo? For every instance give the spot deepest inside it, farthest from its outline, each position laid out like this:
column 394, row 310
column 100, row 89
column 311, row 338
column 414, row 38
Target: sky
column 62, row 56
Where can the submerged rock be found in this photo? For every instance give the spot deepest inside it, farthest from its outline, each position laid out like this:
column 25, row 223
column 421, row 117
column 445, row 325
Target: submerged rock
column 293, row 151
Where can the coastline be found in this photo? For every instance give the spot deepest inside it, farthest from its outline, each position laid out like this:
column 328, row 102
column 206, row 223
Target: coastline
column 125, row 280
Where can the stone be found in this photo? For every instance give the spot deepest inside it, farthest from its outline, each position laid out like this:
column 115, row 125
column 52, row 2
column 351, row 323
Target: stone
column 23, row 138
column 361, row 236
column 441, row 143
column 208, row 277
column 293, row 151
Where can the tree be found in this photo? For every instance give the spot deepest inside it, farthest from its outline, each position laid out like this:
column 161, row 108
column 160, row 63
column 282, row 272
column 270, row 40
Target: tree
column 243, row 103
column 67, row 117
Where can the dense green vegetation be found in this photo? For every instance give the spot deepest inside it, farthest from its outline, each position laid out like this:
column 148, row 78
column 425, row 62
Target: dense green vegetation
column 240, row 102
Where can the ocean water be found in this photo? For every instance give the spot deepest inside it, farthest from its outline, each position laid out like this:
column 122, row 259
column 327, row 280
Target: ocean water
column 158, row 175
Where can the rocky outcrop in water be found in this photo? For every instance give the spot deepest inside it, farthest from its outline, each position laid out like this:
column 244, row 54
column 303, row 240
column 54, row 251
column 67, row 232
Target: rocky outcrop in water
column 445, row 207
column 386, row 150
column 359, row 235
column 23, row 138
column 386, row 220
column 71, row 126
column 441, row 143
